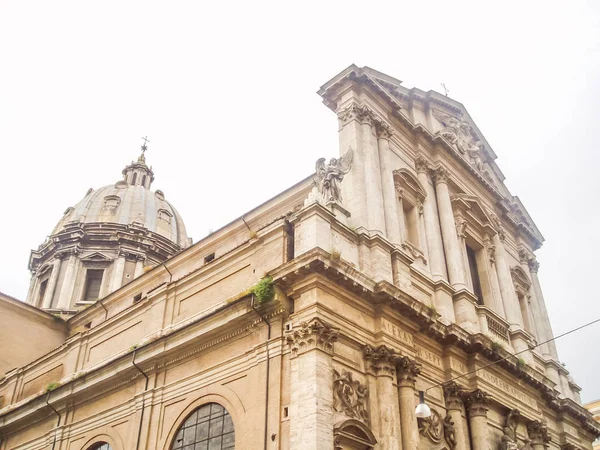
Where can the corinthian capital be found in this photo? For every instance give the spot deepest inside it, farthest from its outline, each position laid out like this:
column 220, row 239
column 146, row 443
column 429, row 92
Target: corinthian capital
column 314, row 333
column 454, row 395
column 538, row 433
column 407, row 370
column 383, row 130
column 421, row 164
column 380, row 360
column 440, row 175
column 476, row 402
column 533, row 265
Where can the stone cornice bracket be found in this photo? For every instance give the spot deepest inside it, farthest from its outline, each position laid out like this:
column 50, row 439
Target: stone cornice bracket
column 381, row 360
column 440, row 175
column 312, row 334
column 407, row 371
column 454, row 394
column 538, row 433
column 476, row 402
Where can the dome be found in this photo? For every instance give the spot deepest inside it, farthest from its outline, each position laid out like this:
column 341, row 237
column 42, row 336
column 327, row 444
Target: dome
column 128, row 204
column 105, row 241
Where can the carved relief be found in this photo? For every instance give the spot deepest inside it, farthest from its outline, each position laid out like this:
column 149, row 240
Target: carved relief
column 449, row 432
column 312, row 334
column 330, row 175
column 381, row 360
column 349, row 396
column 432, row 427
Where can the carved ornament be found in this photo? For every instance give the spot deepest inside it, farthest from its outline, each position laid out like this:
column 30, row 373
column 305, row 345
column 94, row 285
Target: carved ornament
column 454, row 395
column 477, row 402
column 432, row 427
column 499, row 228
column 421, row 164
column 461, row 227
column 407, row 371
column 361, row 113
column 440, row 175
column 381, row 360
column 491, row 250
column 533, row 265
column 312, row 334
column 349, row 396
column 538, row 432
column 383, row 130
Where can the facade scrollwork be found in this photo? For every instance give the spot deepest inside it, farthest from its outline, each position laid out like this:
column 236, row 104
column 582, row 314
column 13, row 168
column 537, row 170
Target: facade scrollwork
column 312, row 334
column 350, row 396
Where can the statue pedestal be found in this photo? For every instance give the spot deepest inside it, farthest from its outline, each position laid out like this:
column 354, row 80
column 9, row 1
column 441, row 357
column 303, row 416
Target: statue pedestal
column 340, row 213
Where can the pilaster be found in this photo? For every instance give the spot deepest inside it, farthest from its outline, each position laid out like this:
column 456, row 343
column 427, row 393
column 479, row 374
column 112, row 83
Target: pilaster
column 311, row 400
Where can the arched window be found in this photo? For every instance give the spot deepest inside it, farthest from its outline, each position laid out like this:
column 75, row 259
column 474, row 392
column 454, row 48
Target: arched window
column 144, row 181
column 133, row 180
column 100, row 446
column 208, row 428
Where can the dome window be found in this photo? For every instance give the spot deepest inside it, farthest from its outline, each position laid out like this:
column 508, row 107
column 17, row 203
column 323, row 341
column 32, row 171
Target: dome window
column 165, row 215
column 111, row 203
column 133, row 180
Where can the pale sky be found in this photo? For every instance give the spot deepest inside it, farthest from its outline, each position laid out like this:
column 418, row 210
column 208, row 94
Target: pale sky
column 225, row 92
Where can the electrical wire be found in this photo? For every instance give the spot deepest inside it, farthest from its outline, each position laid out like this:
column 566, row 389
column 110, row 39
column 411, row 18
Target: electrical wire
column 514, row 354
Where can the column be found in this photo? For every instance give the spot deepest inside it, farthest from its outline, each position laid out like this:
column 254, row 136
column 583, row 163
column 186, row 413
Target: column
column 407, row 371
column 68, row 284
column 400, row 213
column 373, row 187
column 432, row 224
column 49, row 295
column 538, row 435
column 544, row 320
column 116, row 278
column 461, row 234
column 311, row 399
column 496, row 300
column 454, row 259
column 392, row 227
column 32, row 289
column 381, row 362
column 476, row 403
column 507, row 288
column 139, row 267
column 454, row 405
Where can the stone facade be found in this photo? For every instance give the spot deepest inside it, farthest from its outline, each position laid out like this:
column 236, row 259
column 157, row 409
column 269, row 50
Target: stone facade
column 401, row 265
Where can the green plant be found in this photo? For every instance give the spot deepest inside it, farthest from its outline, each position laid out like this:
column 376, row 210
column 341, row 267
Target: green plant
column 496, row 346
column 521, row 364
column 253, row 235
column 264, row 291
column 133, row 347
column 52, row 386
column 432, row 310
column 335, row 254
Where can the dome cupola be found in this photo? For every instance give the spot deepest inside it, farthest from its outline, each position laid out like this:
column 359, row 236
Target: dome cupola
column 105, row 240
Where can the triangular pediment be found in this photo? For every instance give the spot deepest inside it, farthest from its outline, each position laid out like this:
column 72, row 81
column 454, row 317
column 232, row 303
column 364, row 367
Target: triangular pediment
column 96, row 257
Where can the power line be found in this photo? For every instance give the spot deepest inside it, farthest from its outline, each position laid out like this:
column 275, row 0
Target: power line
column 514, row 354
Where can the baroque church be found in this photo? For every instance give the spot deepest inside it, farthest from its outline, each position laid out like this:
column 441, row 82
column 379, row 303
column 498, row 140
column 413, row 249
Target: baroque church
column 399, row 277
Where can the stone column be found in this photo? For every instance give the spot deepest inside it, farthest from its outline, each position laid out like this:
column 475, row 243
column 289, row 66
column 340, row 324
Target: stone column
column 116, row 277
column 392, row 227
column 399, row 192
column 373, row 186
column 545, row 328
column 68, row 284
column 476, row 403
column 454, row 405
column 538, row 435
column 381, row 362
column 407, row 371
column 454, row 258
column 496, row 299
column 507, row 288
column 49, row 295
column 432, row 224
column 311, row 400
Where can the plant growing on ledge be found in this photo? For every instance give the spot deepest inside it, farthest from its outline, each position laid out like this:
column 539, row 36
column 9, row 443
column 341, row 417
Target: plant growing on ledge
column 521, row 364
column 264, row 291
column 496, row 346
column 335, row 254
column 52, row 386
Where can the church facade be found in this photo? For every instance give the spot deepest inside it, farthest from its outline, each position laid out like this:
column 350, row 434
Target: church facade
column 403, row 265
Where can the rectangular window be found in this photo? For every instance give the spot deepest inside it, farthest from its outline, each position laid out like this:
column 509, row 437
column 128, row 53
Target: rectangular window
column 42, row 292
column 472, row 257
column 93, row 281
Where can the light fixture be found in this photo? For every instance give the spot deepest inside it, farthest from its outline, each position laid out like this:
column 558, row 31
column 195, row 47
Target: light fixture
column 422, row 411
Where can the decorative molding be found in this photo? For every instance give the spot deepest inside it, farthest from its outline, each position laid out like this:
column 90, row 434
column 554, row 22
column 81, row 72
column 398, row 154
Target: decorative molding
column 476, row 403
column 453, row 393
column 407, row 371
column 350, row 396
column 538, row 432
column 380, row 360
column 314, row 333
column 432, row 427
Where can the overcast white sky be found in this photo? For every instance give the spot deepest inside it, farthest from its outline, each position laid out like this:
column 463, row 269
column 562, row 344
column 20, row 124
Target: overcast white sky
column 225, row 92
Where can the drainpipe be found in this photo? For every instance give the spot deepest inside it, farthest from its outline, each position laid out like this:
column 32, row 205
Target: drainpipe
column 58, row 414
column 268, row 369
column 106, row 314
column 170, row 274
column 139, row 437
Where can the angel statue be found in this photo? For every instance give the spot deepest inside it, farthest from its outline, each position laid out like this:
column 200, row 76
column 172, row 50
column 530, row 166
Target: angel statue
column 330, row 175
